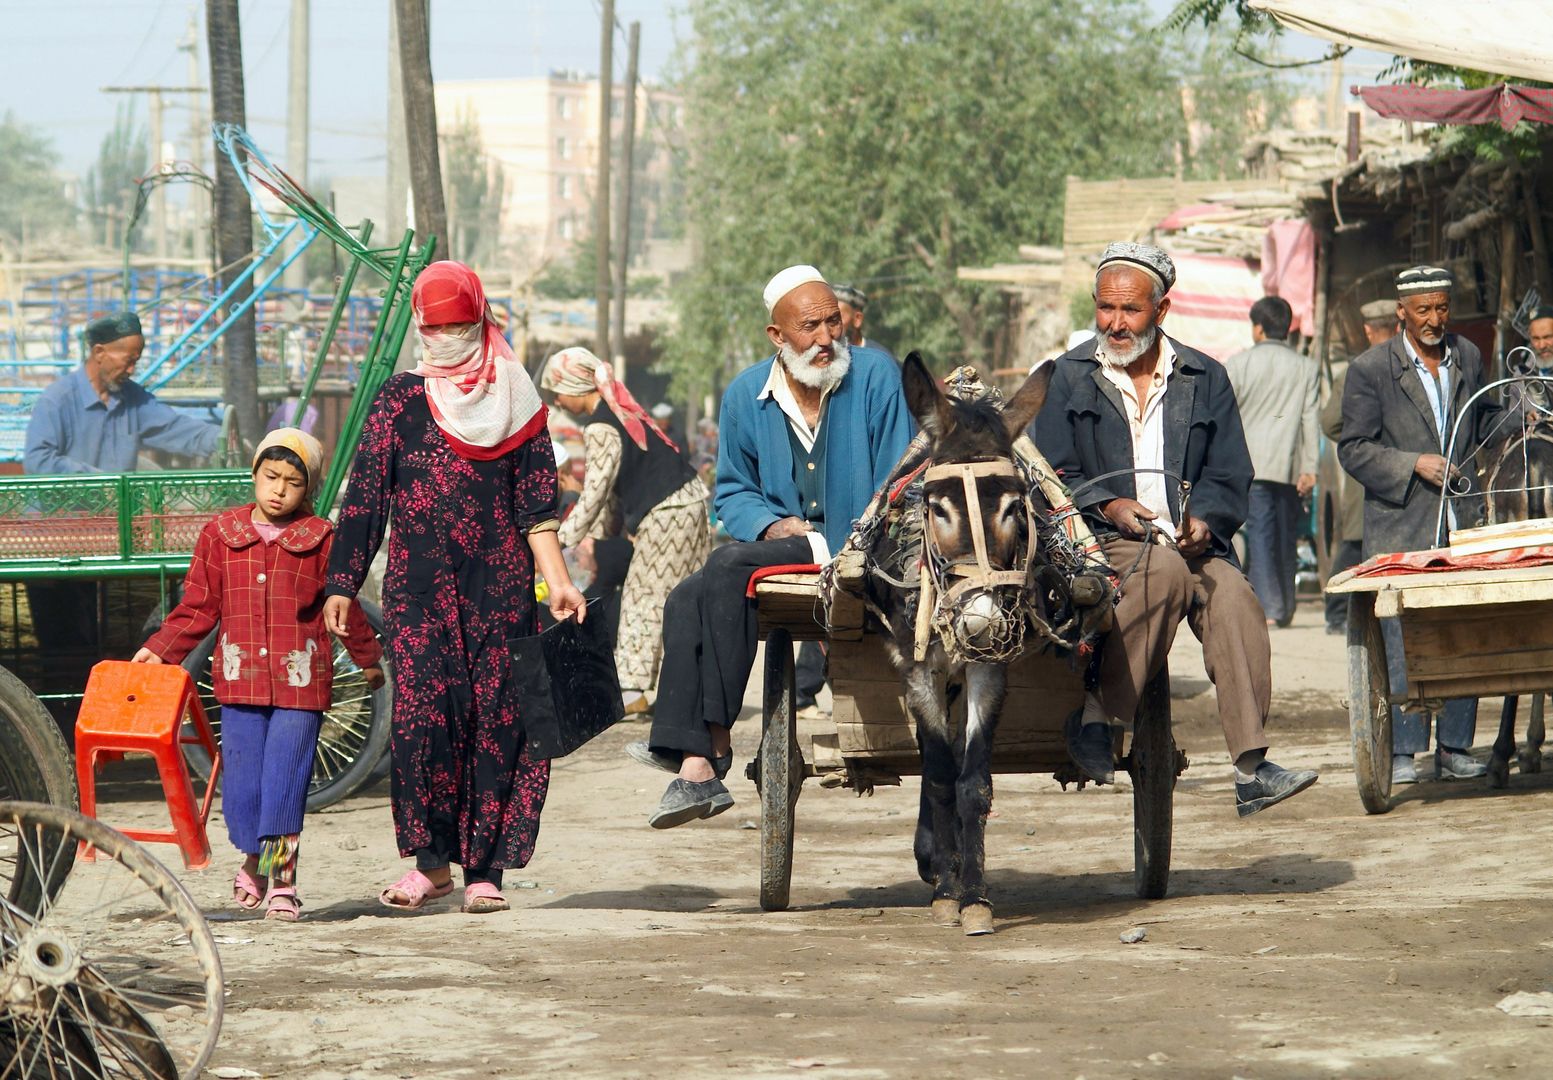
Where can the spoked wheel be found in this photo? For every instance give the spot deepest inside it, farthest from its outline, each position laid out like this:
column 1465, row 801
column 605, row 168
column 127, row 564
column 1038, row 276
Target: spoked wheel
column 354, row 735
column 1152, row 761
column 1369, row 705
column 116, row 974
column 780, row 773
column 35, row 766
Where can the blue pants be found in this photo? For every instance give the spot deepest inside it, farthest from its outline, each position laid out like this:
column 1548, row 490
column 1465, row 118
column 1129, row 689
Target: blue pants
column 1272, row 516
column 1410, row 731
column 267, row 763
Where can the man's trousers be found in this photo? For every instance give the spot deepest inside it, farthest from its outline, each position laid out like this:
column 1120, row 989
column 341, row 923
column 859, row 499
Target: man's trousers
column 1272, row 519
column 709, row 642
column 1217, row 602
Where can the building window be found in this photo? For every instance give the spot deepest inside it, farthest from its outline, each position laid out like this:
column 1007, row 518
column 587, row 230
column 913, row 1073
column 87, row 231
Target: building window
column 566, row 228
column 563, row 187
column 563, row 107
column 616, row 109
column 563, row 149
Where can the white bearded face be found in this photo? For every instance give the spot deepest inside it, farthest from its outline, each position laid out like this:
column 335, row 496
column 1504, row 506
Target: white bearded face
column 1137, row 345
column 801, row 366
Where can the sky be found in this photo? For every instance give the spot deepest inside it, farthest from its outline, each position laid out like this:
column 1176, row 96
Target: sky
column 56, row 55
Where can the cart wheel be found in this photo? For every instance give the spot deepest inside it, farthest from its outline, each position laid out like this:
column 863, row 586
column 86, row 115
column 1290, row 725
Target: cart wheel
column 1152, row 764
column 1369, row 705
column 35, row 766
column 117, row 973
column 780, row 775
column 354, row 737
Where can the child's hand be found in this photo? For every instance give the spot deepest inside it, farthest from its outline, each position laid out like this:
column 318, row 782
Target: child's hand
column 145, row 656
column 375, row 677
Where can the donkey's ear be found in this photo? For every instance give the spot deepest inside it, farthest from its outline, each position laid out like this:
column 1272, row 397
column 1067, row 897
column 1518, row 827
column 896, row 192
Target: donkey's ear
column 925, row 398
column 1027, row 401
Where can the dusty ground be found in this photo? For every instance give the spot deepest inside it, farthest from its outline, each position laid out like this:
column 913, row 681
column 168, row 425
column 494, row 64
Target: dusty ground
column 1312, row 940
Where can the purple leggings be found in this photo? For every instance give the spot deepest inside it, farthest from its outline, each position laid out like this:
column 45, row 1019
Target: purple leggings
column 267, row 764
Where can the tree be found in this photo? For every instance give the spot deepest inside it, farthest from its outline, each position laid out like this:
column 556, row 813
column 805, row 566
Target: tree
column 475, row 184
column 234, row 218
column 108, row 191
column 32, row 197
column 420, row 118
column 893, row 144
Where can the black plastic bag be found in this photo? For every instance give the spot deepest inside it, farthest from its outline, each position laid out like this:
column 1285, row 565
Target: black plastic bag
column 567, row 687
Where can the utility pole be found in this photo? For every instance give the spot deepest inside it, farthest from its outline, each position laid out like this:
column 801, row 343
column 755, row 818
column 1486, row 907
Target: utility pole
column 199, row 131
column 398, row 144
column 420, row 119
column 627, row 173
column 297, row 119
column 601, row 190
column 156, row 157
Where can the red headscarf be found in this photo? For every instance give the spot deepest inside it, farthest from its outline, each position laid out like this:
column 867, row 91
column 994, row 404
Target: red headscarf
column 480, row 396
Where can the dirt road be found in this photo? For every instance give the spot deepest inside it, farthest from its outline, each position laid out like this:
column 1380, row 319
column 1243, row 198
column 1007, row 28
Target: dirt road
column 1309, row 941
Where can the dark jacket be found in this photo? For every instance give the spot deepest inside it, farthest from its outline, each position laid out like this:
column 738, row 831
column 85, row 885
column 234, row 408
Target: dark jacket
column 646, row 477
column 1083, row 432
column 1388, row 423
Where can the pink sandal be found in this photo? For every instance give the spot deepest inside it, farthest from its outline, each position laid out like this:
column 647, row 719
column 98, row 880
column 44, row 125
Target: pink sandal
column 284, row 904
column 483, row 898
column 416, row 888
column 247, row 890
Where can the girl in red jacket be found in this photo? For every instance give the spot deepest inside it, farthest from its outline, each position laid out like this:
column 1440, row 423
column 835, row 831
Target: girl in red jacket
column 258, row 571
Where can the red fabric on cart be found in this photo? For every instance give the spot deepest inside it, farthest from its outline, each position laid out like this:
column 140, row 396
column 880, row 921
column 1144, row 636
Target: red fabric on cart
column 1440, row 559
column 1505, row 104
column 771, row 571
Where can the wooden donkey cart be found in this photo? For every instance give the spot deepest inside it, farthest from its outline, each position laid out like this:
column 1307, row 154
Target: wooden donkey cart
column 928, row 645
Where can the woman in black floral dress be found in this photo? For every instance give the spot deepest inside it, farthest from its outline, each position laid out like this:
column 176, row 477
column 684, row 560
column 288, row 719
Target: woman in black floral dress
column 456, row 458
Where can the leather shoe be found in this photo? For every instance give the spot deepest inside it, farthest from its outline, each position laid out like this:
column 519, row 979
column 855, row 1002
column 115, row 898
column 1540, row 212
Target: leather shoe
column 686, row 801
column 1091, row 748
column 1403, row 770
column 1269, row 785
column 1457, row 764
column 671, row 761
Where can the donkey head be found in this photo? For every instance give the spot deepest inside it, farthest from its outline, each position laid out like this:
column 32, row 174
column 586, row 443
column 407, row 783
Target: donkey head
column 974, row 522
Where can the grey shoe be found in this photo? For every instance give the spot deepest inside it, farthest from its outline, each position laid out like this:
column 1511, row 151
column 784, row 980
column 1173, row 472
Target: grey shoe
column 1457, row 764
column 1092, row 748
column 686, row 801
column 1403, row 771
column 1270, row 785
column 670, row 762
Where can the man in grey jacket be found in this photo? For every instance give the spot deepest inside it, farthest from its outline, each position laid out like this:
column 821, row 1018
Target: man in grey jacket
column 1402, row 401
column 1276, row 389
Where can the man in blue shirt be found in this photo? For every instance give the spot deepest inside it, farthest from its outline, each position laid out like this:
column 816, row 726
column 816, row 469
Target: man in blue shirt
column 97, row 419
column 806, row 438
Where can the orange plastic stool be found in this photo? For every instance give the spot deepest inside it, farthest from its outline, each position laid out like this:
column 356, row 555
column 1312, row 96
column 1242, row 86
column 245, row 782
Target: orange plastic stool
column 149, row 709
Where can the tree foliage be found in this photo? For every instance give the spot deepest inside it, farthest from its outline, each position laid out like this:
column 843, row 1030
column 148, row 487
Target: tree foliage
column 475, row 184
column 108, row 191
column 32, row 197
column 893, row 144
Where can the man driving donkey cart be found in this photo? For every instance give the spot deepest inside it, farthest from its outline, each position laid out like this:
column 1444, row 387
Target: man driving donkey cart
column 954, row 608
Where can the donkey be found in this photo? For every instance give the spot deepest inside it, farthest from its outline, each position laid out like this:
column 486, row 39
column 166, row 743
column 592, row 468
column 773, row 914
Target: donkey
column 978, row 544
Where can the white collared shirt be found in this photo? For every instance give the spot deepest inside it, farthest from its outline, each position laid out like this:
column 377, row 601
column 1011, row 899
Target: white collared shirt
column 1146, row 421
column 777, row 389
column 1438, row 391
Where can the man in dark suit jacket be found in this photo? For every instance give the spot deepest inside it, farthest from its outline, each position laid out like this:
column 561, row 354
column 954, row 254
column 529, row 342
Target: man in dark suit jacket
column 1127, row 416
column 1402, row 402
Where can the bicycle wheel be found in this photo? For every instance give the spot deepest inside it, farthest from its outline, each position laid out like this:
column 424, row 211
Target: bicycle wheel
column 35, row 766
column 115, row 974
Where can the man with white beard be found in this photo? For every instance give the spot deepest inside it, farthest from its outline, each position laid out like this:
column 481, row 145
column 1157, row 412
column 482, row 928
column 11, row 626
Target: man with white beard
column 1129, row 416
column 1402, row 400
column 805, row 439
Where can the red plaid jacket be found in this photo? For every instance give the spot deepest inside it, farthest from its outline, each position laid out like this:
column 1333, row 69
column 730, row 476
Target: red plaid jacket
column 269, row 599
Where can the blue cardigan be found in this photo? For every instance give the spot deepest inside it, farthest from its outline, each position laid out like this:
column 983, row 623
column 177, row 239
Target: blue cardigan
column 866, row 429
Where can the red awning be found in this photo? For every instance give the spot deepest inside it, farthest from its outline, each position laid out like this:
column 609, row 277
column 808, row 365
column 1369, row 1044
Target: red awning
column 1504, row 104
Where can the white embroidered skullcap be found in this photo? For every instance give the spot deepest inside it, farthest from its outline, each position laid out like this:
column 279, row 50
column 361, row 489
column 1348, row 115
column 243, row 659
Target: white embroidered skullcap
column 1077, row 338
column 1424, row 279
column 562, row 455
column 788, row 280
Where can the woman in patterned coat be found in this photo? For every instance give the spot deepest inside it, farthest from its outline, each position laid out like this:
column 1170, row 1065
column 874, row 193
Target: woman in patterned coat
column 456, row 458
column 661, row 499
